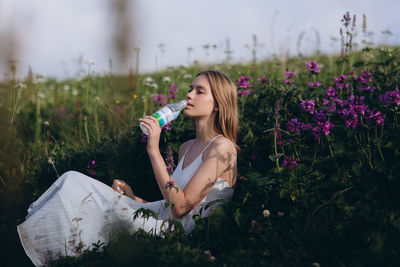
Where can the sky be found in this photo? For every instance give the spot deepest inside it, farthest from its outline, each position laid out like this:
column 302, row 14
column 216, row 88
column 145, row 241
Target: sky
column 51, row 36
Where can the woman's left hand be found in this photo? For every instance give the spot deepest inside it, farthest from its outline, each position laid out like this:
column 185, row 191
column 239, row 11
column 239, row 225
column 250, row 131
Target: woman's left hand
column 153, row 138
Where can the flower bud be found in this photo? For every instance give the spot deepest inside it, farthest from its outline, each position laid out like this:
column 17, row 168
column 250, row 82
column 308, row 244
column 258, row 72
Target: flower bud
column 266, row 213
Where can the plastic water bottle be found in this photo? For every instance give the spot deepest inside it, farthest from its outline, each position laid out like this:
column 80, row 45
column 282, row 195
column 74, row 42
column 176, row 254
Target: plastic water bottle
column 168, row 113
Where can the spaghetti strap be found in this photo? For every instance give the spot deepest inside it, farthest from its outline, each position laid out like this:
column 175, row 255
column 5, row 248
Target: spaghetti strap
column 209, row 143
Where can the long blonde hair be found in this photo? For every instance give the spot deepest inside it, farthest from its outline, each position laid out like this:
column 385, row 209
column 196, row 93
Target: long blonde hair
column 225, row 95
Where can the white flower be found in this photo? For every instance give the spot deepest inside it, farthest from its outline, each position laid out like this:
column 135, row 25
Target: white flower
column 187, row 76
column 316, row 264
column 75, row 92
column 21, row 85
column 41, row 95
column 66, row 87
column 38, row 78
column 266, row 213
column 147, row 81
column 166, row 79
column 46, row 123
column 50, row 161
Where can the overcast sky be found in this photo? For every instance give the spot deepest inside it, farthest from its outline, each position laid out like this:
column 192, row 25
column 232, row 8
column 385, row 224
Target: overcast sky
column 50, row 35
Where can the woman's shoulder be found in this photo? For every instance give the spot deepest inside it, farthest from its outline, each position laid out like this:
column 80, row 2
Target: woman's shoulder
column 222, row 145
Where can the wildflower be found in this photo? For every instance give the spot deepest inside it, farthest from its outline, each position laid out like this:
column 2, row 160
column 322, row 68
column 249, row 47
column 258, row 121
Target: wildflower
column 169, row 160
column 170, row 184
column 46, row 123
column 166, row 79
column 207, row 253
column 308, row 105
column 117, row 102
column 168, row 126
column 144, row 138
column 243, row 92
column 244, row 82
column 341, row 82
column 159, row 100
column 294, row 125
column 263, row 79
column 346, row 19
column 266, row 213
column 312, row 67
column 187, row 76
column 365, row 79
column 390, row 98
column 50, row 161
column 289, row 76
column 134, row 96
column 314, row 85
column 289, row 162
column 280, row 214
column 66, row 88
column 212, row 258
column 330, row 92
column 92, row 172
column 172, row 91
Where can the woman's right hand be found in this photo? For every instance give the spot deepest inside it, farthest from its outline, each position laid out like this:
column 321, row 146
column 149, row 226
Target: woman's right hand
column 123, row 188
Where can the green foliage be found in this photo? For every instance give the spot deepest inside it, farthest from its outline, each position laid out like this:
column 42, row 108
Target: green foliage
column 338, row 206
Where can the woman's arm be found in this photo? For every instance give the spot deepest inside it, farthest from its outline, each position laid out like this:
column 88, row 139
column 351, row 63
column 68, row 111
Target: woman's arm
column 217, row 159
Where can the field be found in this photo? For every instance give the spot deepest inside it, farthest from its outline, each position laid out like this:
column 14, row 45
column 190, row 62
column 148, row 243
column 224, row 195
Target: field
column 319, row 159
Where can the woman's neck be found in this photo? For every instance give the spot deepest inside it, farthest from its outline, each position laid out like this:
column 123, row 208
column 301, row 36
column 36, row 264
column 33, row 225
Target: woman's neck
column 204, row 130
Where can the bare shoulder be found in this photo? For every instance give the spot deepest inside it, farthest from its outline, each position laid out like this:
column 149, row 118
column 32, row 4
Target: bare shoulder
column 222, row 146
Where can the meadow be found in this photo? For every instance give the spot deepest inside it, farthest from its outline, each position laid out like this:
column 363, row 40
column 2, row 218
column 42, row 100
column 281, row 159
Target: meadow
column 318, row 166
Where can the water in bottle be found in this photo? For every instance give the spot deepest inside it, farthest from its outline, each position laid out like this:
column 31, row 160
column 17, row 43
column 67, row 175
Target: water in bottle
column 167, row 114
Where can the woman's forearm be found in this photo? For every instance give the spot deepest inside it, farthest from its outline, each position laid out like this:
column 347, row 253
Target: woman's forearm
column 162, row 177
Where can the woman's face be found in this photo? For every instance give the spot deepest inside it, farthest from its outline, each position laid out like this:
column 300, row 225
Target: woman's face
column 200, row 99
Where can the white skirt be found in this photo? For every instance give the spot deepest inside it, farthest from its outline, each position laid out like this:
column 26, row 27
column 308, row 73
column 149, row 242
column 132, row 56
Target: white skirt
column 77, row 211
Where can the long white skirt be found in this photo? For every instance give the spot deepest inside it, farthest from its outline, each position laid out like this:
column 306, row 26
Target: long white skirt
column 77, row 211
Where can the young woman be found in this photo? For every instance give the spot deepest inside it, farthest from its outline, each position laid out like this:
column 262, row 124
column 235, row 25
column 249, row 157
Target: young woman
column 77, row 210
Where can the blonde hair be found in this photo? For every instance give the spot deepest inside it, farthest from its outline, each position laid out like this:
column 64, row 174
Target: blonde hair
column 225, row 95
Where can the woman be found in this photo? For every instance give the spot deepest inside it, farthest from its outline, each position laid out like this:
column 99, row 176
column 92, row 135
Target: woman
column 77, row 210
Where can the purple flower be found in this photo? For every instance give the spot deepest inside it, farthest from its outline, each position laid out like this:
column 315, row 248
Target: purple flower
column 289, row 162
column 294, row 125
column 290, row 75
column 341, row 82
column 169, row 160
column 144, row 138
column 263, row 79
column 245, row 92
column 314, row 85
column 376, row 117
column 330, row 92
column 170, row 184
column 390, row 98
column 244, row 82
column 168, row 126
column 308, row 105
column 312, row 67
column 93, row 173
column 159, row 100
column 172, row 91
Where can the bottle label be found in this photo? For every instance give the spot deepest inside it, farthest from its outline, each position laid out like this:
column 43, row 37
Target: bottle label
column 164, row 116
